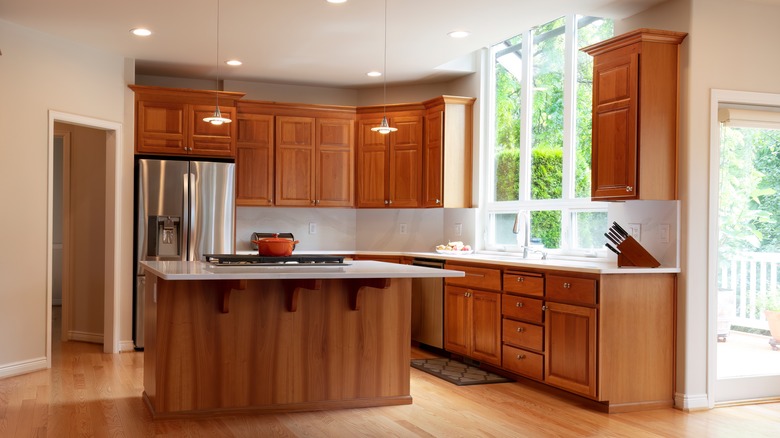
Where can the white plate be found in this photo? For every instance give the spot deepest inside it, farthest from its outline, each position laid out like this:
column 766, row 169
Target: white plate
column 451, row 252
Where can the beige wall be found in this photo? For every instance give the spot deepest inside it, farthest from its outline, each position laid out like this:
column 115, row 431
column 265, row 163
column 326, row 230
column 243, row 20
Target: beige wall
column 731, row 45
column 39, row 73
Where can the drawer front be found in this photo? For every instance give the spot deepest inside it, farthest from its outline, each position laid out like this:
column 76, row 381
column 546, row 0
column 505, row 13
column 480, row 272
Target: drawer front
column 523, row 362
column 482, row 278
column 571, row 290
column 524, row 283
column 522, row 334
column 527, row 309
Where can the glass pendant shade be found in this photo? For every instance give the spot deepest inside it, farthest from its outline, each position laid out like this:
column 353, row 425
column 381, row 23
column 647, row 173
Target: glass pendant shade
column 217, row 118
column 384, row 127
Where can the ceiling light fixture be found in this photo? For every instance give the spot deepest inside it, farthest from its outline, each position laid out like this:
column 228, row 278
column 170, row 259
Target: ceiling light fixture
column 337, row 1
column 140, row 31
column 384, row 127
column 458, row 34
column 374, row 74
column 217, row 118
column 233, row 62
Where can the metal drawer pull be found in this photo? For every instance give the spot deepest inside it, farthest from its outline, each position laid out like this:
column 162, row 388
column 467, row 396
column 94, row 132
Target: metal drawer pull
column 567, row 285
column 520, row 330
column 470, row 274
column 629, row 189
column 520, row 279
column 521, row 356
column 518, row 304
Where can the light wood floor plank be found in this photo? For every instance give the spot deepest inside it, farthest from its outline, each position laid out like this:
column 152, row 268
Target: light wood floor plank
column 89, row 393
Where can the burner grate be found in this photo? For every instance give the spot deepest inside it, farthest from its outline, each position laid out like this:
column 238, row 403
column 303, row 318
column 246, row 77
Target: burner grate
column 242, row 259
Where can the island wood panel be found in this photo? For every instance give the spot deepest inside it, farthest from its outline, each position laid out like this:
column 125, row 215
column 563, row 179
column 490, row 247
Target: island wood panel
column 260, row 357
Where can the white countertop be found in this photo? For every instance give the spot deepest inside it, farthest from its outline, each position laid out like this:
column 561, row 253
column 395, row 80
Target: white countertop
column 593, row 266
column 353, row 269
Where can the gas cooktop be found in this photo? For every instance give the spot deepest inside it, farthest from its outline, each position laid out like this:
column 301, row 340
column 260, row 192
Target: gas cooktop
column 293, row 260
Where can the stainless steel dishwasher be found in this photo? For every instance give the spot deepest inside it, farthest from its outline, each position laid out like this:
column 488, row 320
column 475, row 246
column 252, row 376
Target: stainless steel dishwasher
column 428, row 306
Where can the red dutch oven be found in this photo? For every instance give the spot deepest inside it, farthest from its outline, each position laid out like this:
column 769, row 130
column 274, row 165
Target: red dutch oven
column 275, row 246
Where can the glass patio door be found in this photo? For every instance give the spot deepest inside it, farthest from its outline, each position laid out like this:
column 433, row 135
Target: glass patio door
column 748, row 364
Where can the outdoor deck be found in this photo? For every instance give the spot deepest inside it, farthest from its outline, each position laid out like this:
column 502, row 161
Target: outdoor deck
column 746, row 354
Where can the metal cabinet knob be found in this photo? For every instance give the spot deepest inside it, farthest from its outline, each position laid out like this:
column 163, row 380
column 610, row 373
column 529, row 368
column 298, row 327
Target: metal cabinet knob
column 520, row 329
column 520, row 279
column 438, row 201
column 567, row 285
column 387, row 202
column 518, row 304
column 391, row 202
column 629, row 189
column 521, row 356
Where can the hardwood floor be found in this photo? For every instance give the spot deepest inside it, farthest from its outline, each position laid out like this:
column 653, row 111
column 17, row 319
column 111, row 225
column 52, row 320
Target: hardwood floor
column 88, row 393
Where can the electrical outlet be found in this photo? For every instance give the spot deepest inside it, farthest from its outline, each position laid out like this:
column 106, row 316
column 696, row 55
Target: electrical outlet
column 635, row 230
column 312, row 228
column 402, row 229
column 663, row 233
column 458, row 229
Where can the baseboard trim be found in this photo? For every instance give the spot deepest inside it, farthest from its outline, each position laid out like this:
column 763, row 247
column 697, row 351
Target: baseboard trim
column 18, row 368
column 690, row 403
column 95, row 338
column 126, row 346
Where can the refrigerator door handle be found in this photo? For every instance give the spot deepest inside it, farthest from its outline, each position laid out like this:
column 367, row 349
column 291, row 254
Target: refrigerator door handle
column 191, row 195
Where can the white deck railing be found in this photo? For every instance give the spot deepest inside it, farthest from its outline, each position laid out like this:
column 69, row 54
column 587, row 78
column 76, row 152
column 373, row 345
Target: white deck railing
column 752, row 277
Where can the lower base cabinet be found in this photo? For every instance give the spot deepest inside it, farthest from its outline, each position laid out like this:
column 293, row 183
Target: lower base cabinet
column 570, row 346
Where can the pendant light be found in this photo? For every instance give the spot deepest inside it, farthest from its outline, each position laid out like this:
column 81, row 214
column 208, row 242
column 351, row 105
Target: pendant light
column 217, row 118
column 384, row 127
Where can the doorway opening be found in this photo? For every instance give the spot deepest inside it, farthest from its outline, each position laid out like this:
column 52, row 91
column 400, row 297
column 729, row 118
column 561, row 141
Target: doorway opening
column 110, row 218
column 745, row 255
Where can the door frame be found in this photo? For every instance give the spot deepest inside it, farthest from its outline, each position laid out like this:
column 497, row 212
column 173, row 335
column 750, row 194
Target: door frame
column 718, row 97
column 113, row 218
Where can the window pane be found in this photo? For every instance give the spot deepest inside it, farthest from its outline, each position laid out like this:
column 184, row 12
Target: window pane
column 509, row 67
column 592, row 30
column 546, row 228
column 502, row 226
column 589, row 228
column 547, row 115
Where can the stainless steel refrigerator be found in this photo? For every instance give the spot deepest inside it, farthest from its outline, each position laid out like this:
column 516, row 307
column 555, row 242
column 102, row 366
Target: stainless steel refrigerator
column 184, row 209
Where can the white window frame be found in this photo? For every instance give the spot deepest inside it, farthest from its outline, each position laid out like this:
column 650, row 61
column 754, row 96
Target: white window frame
column 568, row 204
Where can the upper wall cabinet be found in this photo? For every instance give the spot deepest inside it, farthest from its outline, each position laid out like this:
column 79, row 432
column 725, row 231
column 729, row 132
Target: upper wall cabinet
column 447, row 152
column 389, row 166
column 254, row 159
column 635, row 116
column 170, row 122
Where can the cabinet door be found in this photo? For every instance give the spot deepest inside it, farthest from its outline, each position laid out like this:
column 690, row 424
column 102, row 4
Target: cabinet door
column 295, row 161
column 615, row 103
column 486, row 326
column 372, row 165
column 335, row 159
column 254, row 159
column 211, row 140
column 570, row 348
column 457, row 317
column 405, row 162
column 161, row 127
column 433, row 152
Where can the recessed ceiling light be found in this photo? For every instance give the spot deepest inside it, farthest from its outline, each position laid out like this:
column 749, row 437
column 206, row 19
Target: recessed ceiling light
column 374, row 74
column 337, row 1
column 233, row 62
column 458, row 34
column 140, row 31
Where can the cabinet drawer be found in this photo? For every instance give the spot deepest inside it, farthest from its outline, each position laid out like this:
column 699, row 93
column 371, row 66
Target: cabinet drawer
column 483, row 278
column 571, row 290
column 528, row 309
column 524, row 335
column 523, row 362
column 524, row 283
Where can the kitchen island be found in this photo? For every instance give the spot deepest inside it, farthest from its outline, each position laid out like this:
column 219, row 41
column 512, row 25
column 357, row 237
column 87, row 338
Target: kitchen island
column 278, row 338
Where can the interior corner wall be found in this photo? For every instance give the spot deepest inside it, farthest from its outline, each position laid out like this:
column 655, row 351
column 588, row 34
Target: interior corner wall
column 39, row 73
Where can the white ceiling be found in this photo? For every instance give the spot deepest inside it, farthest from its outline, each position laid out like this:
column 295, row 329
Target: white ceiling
column 299, row 41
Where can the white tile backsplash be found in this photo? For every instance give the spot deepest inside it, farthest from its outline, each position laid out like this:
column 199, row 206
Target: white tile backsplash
column 651, row 215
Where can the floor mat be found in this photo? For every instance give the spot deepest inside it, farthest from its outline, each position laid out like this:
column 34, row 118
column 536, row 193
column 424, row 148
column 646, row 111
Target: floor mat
column 456, row 372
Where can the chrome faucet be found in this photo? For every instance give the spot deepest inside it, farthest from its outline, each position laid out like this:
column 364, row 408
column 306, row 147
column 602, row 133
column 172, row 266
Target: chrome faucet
column 524, row 217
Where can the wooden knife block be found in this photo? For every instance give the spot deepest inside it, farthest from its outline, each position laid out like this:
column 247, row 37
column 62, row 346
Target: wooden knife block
column 634, row 254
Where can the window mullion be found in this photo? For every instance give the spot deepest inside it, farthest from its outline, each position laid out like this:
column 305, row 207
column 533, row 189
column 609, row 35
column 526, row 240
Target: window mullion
column 526, row 113
column 569, row 107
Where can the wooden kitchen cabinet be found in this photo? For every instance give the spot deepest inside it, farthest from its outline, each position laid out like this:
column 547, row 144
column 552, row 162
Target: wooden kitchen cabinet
column 522, row 310
column 255, row 160
column 314, row 162
column 635, row 115
column 389, row 166
column 472, row 316
column 447, row 152
column 570, row 348
column 169, row 121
